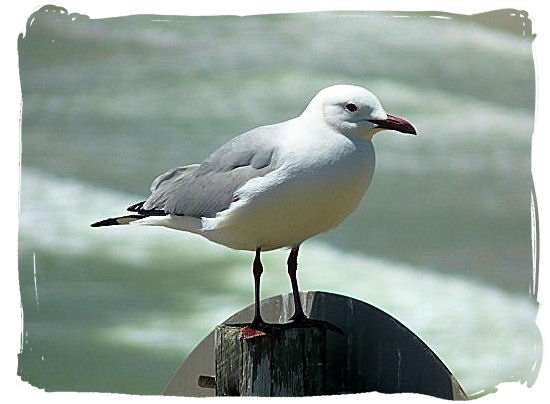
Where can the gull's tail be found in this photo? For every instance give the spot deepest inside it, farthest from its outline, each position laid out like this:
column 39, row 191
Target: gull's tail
column 113, row 221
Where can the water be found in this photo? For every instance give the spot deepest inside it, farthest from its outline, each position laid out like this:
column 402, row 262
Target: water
column 442, row 240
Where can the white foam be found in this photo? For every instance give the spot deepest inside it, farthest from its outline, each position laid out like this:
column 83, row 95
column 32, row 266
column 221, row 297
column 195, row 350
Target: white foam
column 484, row 335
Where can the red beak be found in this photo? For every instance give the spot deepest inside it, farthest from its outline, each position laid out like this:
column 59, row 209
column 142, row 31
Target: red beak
column 395, row 123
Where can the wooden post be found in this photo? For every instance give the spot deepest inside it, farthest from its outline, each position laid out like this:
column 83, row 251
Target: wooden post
column 376, row 353
column 290, row 363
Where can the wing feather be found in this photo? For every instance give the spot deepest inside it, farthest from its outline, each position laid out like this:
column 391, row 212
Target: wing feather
column 206, row 189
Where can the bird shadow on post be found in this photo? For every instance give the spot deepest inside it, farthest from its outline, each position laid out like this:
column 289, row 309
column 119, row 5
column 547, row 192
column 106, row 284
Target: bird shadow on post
column 376, row 353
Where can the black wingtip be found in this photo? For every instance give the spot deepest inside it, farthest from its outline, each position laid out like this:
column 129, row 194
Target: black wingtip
column 136, row 207
column 115, row 221
column 106, row 222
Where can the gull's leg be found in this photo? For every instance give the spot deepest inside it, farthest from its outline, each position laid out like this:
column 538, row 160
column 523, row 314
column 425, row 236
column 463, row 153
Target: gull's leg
column 257, row 270
column 299, row 318
column 292, row 263
column 258, row 324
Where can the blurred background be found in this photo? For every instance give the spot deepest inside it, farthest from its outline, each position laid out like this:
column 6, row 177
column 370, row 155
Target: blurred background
column 442, row 240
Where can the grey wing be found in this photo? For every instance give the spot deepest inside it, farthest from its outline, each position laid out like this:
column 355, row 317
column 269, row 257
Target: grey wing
column 206, row 189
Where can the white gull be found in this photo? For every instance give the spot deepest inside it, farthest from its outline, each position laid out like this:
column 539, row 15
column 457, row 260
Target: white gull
column 277, row 185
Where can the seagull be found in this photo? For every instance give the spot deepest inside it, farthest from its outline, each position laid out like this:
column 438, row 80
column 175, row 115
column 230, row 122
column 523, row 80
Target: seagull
column 277, row 185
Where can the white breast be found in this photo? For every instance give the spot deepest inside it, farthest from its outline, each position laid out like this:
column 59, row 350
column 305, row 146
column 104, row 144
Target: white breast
column 315, row 189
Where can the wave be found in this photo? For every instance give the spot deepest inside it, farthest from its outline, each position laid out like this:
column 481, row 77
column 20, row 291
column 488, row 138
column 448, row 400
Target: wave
column 484, row 335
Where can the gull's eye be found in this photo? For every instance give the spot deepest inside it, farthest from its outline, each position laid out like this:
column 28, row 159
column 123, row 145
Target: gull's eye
column 351, row 107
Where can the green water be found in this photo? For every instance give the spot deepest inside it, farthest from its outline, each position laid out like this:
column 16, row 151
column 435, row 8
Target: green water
column 109, row 104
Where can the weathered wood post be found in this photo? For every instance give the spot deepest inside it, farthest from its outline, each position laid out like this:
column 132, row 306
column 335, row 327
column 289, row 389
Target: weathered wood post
column 376, row 353
column 288, row 363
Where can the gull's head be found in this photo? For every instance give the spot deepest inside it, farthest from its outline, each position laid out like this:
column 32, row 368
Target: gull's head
column 354, row 111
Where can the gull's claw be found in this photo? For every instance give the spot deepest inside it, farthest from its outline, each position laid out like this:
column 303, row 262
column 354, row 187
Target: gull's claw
column 261, row 328
column 312, row 322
